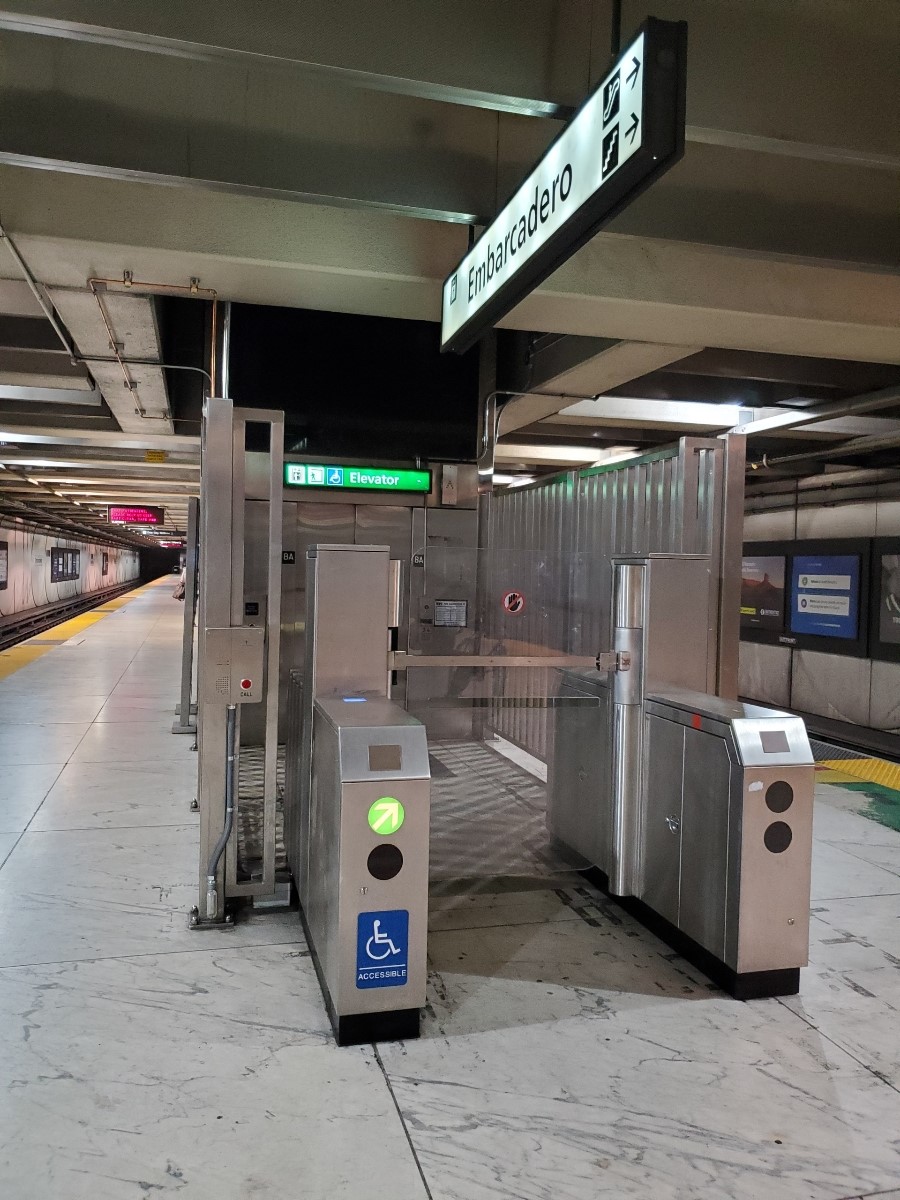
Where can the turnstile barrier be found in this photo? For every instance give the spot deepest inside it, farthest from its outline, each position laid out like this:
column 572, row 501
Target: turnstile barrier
column 366, row 906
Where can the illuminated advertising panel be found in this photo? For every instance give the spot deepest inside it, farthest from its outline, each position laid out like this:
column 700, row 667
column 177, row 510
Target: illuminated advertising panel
column 825, row 595
column 762, row 592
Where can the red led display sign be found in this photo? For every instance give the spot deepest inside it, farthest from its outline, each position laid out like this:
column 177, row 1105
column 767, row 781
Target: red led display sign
column 121, row 515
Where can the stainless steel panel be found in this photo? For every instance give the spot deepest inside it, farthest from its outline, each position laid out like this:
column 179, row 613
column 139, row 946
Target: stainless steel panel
column 671, row 502
column 395, row 584
column 704, row 839
column 676, row 625
column 328, row 524
column 725, row 634
column 233, row 666
column 351, row 619
column 772, row 742
column 578, row 802
column 626, row 792
column 186, row 722
column 215, row 611
column 773, row 912
column 256, row 597
column 375, row 722
column 443, row 565
column 346, row 651
column 628, row 597
column 662, row 816
column 222, row 574
column 409, row 891
column 341, row 887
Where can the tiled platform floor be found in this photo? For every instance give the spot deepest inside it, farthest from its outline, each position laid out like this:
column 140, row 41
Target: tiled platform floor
column 566, row 1054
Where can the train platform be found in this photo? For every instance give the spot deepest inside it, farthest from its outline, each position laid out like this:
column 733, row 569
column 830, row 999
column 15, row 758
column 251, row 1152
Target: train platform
column 566, row 1053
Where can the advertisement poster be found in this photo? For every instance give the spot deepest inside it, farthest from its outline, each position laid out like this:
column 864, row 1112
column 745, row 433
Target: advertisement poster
column 762, row 592
column 825, row 595
column 889, row 620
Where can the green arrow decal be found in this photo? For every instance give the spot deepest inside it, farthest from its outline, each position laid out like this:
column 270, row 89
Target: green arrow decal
column 386, row 815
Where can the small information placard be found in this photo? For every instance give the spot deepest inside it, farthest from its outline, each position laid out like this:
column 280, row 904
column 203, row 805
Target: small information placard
column 382, row 949
column 451, row 614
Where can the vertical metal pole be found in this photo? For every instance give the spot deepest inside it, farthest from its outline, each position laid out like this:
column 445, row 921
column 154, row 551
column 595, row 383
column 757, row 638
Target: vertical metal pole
column 273, row 637
column 629, row 581
column 487, row 446
column 225, row 360
column 185, row 722
column 732, row 534
column 241, row 417
column 216, row 490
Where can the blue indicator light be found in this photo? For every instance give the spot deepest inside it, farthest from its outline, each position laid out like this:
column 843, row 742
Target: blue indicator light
column 354, row 699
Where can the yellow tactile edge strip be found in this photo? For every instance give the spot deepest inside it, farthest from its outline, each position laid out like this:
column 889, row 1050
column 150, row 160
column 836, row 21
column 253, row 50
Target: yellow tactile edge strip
column 872, row 770
column 26, row 652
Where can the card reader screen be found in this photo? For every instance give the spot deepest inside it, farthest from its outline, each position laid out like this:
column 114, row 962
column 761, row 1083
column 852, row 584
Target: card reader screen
column 385, row 758
column 774, row 741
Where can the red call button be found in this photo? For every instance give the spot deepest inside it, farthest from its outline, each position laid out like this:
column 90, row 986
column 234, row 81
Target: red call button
column 246, row 684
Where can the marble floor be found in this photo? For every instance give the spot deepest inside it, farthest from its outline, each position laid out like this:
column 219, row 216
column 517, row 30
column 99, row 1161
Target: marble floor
column 566, row 1053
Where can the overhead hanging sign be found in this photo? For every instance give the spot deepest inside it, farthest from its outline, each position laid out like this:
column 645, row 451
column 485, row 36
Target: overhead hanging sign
column 365, row 479
column 624, row 136
column 139, row 515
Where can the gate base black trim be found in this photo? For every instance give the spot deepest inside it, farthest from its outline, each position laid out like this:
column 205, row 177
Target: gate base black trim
column 746, row 985
column 357, row 1028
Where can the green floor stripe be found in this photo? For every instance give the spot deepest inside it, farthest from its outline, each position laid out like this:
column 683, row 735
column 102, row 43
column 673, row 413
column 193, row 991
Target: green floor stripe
column 884, row 803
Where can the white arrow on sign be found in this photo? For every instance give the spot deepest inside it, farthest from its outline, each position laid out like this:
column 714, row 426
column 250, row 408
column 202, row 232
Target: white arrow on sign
column 388, row 814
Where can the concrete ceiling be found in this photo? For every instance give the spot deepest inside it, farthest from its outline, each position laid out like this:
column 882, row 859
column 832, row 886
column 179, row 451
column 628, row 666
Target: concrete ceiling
column 331, row 156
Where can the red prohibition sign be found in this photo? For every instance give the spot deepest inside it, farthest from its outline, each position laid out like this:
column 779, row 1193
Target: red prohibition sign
column 514, row 602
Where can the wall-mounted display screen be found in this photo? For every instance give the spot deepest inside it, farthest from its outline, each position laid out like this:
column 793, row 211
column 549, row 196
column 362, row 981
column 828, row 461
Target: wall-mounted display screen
column 64, row 564
column 889, row 600
column 118, row 514
column 762, row 592
column 4, row 566
column 825, row 595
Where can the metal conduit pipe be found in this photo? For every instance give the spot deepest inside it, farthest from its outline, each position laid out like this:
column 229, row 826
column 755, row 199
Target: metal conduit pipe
column 212, row 899
column 865, row 445
column 851, row 406
column 129, row 283
column 830, row 481
column 39, row 295
column 864, row 493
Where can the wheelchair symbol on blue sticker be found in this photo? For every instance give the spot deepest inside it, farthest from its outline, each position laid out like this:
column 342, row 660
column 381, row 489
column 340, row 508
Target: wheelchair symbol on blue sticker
column 382, row 949
column 336, row 476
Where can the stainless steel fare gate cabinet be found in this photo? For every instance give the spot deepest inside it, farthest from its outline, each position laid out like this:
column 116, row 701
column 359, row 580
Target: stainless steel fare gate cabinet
column 366, row 907
column 727, row 835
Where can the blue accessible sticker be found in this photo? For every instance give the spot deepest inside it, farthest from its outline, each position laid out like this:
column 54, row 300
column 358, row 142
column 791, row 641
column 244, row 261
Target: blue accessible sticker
column 382, row 945
column 336, row 476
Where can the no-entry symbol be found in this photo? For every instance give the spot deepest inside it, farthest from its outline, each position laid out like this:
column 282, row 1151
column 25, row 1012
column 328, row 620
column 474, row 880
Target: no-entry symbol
column 514, row 602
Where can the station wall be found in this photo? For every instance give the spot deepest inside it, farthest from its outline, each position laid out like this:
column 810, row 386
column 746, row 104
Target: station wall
column 862, row 691
column 38, row 567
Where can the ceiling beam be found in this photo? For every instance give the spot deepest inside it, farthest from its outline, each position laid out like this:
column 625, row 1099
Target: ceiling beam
column 851, row 406
column 584, row 366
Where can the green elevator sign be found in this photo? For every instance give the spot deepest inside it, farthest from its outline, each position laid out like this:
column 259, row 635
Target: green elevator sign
column 386, row 815
column 358, row 479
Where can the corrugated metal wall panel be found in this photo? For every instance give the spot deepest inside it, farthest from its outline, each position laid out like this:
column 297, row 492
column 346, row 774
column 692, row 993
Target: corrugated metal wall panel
column 556, row 542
